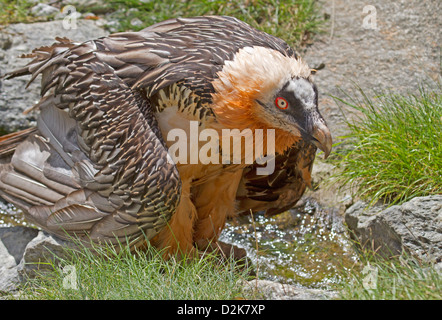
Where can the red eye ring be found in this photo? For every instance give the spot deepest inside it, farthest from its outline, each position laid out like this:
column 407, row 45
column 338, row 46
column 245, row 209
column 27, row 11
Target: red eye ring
column 281, row 103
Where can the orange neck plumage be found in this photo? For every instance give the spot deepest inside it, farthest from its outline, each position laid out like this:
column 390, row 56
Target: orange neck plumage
column 255, row 73
column 240, row 111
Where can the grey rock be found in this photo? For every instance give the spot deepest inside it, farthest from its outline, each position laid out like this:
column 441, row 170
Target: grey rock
column 84, row 3
column 136, row 22
column 415, row 226
column 8, row 273
column 41, row 254
column 43, row 10
column 269, row 290
column 18, row 39
column 9, row 279
column 25, row 251
column 13, row 241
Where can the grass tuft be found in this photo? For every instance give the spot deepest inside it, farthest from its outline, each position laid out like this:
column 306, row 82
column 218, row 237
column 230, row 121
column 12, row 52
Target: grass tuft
column 399, row 278
column 103, row 273
column 294, row 20
column 15, row 11
column 395, row 151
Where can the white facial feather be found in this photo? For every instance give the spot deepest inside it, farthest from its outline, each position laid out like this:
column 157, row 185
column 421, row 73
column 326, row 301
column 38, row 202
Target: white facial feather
column 302, row 89
column 261, row 67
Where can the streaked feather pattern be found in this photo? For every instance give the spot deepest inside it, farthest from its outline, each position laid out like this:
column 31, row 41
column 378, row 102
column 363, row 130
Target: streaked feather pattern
column 97, row 166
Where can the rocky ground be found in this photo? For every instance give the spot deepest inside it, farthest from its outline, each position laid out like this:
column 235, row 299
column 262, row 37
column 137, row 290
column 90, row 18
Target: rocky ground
column 380, row 46
column 18, row 39
column 414, row 227
column 392, row 46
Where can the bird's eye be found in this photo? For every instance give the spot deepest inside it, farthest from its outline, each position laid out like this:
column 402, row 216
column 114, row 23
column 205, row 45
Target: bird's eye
column 281, row 103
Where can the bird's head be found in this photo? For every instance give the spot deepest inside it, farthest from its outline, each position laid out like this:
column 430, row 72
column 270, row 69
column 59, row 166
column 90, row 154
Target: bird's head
column 294, row 108
column 262, row 88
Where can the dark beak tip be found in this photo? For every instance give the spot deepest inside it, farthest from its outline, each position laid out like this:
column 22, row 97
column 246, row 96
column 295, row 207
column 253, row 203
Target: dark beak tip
column 328, row 148
column 326, row 154
column 326, row 151
column 323, row 140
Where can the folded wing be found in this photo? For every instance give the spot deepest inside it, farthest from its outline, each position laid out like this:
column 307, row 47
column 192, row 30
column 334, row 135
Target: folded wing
column 95, row 166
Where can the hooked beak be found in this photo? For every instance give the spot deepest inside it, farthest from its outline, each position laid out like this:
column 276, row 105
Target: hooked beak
column 322, row 138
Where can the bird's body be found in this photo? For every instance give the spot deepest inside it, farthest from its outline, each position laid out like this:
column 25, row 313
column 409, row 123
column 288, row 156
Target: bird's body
column 97, row 165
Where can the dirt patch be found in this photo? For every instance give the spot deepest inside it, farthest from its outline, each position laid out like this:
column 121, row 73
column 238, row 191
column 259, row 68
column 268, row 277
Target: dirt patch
column 378, row 45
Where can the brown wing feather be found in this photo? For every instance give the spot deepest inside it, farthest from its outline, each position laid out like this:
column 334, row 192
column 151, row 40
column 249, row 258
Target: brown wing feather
column 94, row 166
column 281, row 190
column 190, row 50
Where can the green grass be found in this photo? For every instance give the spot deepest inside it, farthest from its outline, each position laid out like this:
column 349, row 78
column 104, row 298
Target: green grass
column 108, row 274
column 395, row 152
column 292, row 20
column 403, row 278
column 15, row 11
column 392, row 154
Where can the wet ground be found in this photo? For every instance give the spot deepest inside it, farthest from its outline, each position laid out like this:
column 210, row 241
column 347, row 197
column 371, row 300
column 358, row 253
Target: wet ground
column 307, row 246
column 11, row 216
